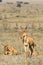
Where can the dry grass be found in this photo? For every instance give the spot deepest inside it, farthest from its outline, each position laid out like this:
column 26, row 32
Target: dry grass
column 9, row 33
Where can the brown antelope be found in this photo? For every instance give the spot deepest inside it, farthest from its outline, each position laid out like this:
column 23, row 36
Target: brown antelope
column 8, row 50
column 29, row 42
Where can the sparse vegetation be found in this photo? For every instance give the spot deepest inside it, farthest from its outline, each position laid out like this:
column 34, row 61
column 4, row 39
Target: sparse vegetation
column 12, row 19
column 18, row 5
column 21, row 2
column 17, row 16
column 26, row 2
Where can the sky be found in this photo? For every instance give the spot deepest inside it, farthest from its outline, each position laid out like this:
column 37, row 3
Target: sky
column 33, row 1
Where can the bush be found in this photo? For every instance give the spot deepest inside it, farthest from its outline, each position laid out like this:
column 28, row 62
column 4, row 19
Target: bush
column 17, row 16
column 0, row 0
column 18, row 5
column 26, row 2
column 20, row 2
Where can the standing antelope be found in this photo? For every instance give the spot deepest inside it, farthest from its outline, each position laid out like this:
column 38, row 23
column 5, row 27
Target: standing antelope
column 29, row 42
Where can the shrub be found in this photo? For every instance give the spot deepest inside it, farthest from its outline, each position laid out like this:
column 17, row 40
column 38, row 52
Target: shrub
column 26, row 2
column 18, row 5
column 17, row 16
column 0, row 0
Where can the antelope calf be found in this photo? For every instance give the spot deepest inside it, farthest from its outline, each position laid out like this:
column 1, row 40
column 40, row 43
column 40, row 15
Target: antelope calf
column 8, row 50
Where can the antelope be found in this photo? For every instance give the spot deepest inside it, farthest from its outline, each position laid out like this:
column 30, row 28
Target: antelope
column 8, row 50
column 28, row 42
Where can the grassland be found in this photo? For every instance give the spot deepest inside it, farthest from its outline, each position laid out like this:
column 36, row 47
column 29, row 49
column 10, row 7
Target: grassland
column 12, row 19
